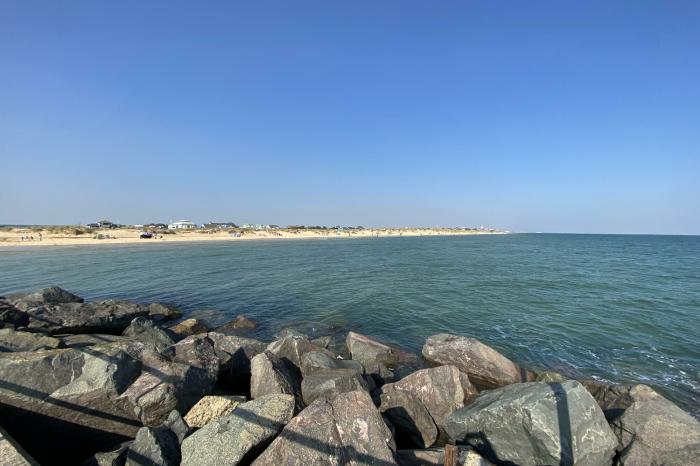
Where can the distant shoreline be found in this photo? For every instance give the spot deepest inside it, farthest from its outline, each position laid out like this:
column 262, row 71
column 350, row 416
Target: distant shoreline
column 75, row 237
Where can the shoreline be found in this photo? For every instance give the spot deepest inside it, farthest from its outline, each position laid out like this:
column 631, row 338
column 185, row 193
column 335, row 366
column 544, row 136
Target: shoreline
column 13, row 237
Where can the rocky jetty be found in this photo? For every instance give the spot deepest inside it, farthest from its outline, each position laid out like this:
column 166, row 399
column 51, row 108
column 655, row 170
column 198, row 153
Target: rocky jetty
column 115, row 383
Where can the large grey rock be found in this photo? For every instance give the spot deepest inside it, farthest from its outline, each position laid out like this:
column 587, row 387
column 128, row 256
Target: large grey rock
column 293, row 349
column 82, row 340
column 143, row 330
column 235, row 353
column 650, row 429
column 12, row 454
column 414, row 427
column 273, row 375
column 347, row 430
column 240, row 436
column 464, row 456
column 115, row 457
column 441, row 390
column 10, row 316
column 198, row 351
column 535, row 423
column 160, row 311
column 486, row 367
column 387, row 362
column 50, row 295
column 154, row 446
column 211, row 407
column 10, row 340
column 165, row 385
column 100, row 317
column 177, row 426
column 314, row 360
column 328, row 383
column 59, row 397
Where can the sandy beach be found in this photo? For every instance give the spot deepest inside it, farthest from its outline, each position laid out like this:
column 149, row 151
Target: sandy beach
column 73, row 236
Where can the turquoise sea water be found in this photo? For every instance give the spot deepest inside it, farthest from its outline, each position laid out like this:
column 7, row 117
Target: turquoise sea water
column 618, row 308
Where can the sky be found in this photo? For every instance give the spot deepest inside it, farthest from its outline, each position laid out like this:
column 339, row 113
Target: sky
column 560, row 116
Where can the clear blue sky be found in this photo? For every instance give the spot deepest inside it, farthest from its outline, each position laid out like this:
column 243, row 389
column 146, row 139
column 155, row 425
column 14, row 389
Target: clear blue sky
column 536, row 116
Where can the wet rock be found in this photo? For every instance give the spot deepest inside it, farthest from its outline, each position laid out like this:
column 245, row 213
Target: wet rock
column 414, row 426
column 115, row 457
column 323, row 342
column 464, row 456
column 550, row 376
column 160, row 311
column 237, row 326
column 189, row 327
column 273, row 375
column 240, row 436
column 535, row 423
column 328, row 383
column 143, row 330
column 315, row 360
column 100, row 317
column 59, row 397
column 10, row 340
column 165, row 385
column 293, row 348
column 50, row 295
column 650, row 429
column 157, row 446
column 441, row 390
column 347, row 430
column 486, row 367
column 10, row 316
column 210, row 408
column 379, row 358
column 12, row 454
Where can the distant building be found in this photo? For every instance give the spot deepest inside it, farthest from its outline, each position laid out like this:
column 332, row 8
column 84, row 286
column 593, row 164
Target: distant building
column 106, row 224
column 182, row 225
column 219, row 225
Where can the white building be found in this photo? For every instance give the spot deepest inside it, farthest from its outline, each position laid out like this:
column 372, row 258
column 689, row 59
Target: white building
column 182, row 225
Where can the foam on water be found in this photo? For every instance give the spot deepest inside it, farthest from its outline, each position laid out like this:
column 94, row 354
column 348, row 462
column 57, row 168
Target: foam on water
column 615, row 308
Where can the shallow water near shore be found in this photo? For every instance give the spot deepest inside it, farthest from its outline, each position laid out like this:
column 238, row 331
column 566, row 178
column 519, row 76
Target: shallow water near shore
column 614, row 307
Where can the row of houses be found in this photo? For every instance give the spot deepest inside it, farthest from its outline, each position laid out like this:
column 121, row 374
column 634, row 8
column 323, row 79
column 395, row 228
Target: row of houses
column 184, row 225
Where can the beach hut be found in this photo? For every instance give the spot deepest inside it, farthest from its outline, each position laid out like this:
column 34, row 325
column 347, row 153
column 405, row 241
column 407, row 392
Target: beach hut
column 182, row 225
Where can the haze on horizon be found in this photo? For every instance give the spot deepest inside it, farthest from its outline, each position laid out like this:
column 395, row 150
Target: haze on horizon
column 545, row 116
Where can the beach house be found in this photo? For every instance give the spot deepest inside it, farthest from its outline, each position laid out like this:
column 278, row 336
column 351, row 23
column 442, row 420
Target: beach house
column 182, row 225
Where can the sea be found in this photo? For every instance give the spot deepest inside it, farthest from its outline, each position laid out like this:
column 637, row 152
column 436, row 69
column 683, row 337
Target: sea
column 617, row 308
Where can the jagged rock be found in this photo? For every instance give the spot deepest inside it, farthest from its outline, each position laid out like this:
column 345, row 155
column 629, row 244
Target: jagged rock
column 328, row 383
column 190, row 327
column 12, row 454
column 197, row 351
column 293, row 348
column 11, row 316
column 165, row 385
column 177, row 426
column 290, row 332
column 50, row 295
column 100, row 317
column 10, row 340
column 441, row 390
column 143, row 330
column 650, row 429
column 315, row 360
column 465, row 456
column 239, row 436
column 88, row 339
column 385, row 361
column 210, row 408
column 273, row 375
column 345, row 430
column 157, row 446
column 486, row 367
column 235, row 353
column 323, row 342
column 160, row 311
column 115, row 457
column 535, row 423
column 59, row 397
column 239, row 325
column 412, row 421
